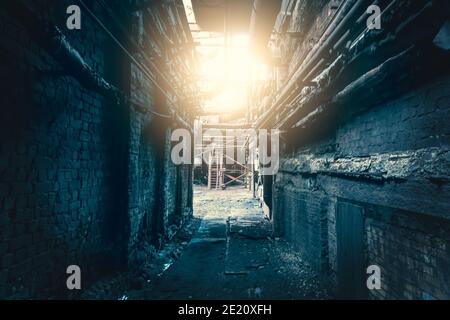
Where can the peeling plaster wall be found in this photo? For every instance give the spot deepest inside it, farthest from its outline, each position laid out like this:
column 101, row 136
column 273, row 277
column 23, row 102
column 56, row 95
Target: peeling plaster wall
column 392, row 163
column 365, row 164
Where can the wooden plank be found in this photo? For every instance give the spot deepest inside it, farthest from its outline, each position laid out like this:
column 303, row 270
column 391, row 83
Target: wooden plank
column 209, row 171
column 235, row 179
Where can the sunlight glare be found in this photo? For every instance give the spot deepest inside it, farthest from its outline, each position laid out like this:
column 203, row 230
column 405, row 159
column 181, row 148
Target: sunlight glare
column 226, row 73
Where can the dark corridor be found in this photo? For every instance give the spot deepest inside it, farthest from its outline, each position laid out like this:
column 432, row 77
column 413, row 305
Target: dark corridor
column 206, row 149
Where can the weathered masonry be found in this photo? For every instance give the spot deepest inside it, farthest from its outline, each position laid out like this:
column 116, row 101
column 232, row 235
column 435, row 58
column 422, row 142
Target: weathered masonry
column 85, row 126
column 365, row 168
column 358, row 91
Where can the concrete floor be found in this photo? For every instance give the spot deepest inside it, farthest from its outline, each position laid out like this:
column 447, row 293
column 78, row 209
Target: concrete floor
column 232, row 256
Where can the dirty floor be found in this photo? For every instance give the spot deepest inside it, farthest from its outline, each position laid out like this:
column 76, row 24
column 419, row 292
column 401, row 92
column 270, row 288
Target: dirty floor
column 233, row 256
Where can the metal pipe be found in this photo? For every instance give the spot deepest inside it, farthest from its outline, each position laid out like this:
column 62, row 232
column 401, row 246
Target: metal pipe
column 334, row 31
column 55, row 43
column 51, row 39
column 371, row 57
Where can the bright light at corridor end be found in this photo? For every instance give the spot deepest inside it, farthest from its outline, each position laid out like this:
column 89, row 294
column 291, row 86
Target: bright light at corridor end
column 225, row 72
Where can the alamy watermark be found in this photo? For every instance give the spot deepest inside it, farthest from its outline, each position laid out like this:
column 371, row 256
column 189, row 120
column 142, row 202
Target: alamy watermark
column 374, row 20
column 73, row 22
column 374, row 280
column 261, row 147
column 73, row 282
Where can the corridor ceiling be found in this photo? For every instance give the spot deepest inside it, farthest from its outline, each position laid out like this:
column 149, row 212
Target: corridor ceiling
column 229, row 67
column 210, row 15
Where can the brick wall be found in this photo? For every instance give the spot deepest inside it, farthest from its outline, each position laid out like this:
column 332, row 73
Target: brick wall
column 79, row 173
column 304, row 222
column 57, row 155
column 403, row 195
column 412, row 252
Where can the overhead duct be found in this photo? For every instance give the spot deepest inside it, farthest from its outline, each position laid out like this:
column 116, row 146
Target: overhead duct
column 264, row 15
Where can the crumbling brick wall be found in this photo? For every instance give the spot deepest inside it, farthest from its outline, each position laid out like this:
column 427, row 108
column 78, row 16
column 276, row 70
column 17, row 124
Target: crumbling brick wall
column 79, row 171
column 404, row 211
column 365, row 145
column 58, row 159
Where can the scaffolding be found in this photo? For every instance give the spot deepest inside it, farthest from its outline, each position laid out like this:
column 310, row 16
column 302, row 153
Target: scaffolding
column 224, row 170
